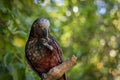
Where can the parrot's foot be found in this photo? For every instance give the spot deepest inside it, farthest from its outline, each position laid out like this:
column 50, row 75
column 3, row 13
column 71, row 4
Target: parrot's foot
column 48, row 46
column 45, row 43
column 44, row 75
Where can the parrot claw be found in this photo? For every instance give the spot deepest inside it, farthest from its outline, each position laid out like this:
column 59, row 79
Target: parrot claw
column 45, row 43
column 48, row 46
column 44, row 75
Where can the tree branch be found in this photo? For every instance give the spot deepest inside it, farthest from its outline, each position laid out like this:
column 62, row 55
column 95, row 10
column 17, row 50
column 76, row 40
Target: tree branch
column 57, row 71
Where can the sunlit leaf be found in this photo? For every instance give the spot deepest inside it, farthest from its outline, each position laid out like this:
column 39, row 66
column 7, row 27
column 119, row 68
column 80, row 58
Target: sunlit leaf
column 19, row 42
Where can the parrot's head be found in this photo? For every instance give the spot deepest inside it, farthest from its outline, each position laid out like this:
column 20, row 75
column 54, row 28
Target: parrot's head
column 40, row 28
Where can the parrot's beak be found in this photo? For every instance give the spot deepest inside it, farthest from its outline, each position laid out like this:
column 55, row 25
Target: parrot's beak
column 46, row 33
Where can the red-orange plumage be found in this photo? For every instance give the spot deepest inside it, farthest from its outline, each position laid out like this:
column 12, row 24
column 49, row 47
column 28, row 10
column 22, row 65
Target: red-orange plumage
column 39, row 56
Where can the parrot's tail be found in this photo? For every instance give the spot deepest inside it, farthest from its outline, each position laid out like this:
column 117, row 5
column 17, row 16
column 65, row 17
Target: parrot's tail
column 63, row 77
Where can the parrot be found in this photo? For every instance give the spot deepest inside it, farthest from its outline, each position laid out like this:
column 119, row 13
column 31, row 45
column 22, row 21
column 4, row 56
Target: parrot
column 42, row 51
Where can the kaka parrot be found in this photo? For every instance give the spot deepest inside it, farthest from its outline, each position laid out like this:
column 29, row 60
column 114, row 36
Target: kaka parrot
column 42, row 51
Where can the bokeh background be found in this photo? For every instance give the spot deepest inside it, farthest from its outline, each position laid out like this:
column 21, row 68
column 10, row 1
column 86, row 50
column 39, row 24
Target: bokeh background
column 89, row 29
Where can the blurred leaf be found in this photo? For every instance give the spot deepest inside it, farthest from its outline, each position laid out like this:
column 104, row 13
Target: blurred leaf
column 17, row 71
column 28, row 77
column 8, row 58
column 18, row 42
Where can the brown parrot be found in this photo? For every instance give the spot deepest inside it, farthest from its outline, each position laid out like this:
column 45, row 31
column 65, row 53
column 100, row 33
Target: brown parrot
column 42, row 51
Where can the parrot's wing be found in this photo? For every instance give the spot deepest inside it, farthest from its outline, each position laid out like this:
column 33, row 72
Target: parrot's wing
column 60, row 52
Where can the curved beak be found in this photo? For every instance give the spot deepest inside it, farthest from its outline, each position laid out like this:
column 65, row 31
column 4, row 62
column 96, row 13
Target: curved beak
column 46, row 33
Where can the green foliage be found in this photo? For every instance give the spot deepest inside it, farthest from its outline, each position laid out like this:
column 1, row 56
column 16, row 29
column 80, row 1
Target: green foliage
column 88, row 29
